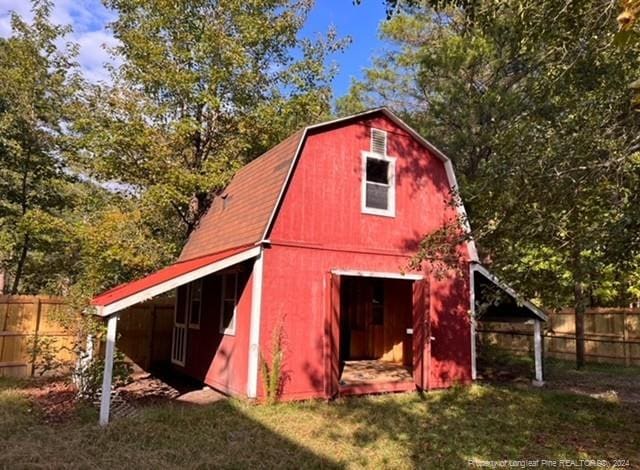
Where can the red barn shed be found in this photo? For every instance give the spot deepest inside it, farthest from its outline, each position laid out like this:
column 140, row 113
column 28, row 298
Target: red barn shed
column 314, row 238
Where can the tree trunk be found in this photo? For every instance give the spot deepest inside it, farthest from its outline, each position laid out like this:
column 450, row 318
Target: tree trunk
column 21, row 261
column 580, row 308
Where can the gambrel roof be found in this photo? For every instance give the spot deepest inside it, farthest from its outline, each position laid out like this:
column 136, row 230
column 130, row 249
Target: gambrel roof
column 244, row 212
column 240, row 218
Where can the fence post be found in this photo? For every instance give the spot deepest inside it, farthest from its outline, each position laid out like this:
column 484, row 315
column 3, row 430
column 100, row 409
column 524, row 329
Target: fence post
column 537, row 351
column 34, row 353
column 625, row 336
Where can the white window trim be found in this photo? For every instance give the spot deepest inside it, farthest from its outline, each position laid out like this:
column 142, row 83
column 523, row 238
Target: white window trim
column 194, row 326
column 230, row 331
column 391, row 210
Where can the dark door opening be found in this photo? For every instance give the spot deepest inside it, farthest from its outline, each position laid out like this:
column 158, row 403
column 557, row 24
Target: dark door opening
column 376, row 321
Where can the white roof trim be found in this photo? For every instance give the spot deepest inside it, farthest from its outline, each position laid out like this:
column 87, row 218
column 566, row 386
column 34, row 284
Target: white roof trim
column 146, row 294
column 481, row 269
column 453, row 184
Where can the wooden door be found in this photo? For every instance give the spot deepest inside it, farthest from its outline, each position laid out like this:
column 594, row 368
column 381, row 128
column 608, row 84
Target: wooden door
column 377, row 314
column 421, row 334
column 332, row 336
column 397, row 302
column 358, row 328
column 179, row 337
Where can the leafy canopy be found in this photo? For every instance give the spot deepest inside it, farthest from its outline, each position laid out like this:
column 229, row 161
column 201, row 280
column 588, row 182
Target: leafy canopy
column 204, row 87
column 531, row 102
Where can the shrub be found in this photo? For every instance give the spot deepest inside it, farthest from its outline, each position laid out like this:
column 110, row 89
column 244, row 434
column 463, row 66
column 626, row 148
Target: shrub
column 46, row 353
column 89, row 377
column 272, row 375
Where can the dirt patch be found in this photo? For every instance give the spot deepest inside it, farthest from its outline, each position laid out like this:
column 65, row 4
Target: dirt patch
column 146, row 389
column 205, row 396
column 623, row 387
column 55, row 399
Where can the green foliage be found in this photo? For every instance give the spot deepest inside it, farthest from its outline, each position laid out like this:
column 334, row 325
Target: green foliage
column 101, row 183
column 89, row 378
column 46, row 352
column 39, row 78
column 440, row 429
column 531, row 103
column 271, row 371
column 204, row 87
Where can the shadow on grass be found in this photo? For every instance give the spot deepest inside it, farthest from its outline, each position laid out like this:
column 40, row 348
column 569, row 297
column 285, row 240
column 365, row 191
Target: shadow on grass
column 220, row 435
column 442, row 429
column 448, row 429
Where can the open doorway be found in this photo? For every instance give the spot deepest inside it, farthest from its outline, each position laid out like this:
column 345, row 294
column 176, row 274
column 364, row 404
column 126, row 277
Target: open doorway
column 376, row 336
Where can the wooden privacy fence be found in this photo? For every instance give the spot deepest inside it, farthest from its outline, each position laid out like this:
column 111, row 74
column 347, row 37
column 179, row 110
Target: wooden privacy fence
column 145, row 332
column 611, row 335
column 23, row 318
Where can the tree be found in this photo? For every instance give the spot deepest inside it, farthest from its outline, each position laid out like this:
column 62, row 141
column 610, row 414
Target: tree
column 204, row 87
column 39, row 79
column 531, row 102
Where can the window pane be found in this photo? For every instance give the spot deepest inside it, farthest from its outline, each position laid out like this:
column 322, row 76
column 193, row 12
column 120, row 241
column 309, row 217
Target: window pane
column 377, row 171
column 228, row 307
column 196, row 290
column 377, row 196
column 378, row 302
column 195, row 313
column 230, row 286
column 181, row 305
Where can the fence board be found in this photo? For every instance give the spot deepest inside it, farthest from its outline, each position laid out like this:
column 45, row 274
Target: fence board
column 144, row 332
column 612, row 335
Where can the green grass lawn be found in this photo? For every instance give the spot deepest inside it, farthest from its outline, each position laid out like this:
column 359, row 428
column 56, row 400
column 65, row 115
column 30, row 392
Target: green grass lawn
column 436, row 430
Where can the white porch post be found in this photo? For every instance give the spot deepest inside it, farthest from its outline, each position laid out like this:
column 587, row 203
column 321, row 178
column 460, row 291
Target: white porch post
column 254, row 328
column 474, row 369
column 537, row 349
column 472, row 313
column 105, row 400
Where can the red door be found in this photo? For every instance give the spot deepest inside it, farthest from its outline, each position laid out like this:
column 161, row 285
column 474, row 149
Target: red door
column 421, row 334
column 332, row 337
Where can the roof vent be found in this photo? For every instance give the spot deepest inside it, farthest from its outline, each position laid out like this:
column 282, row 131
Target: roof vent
column 378, row 141
column 226, row 200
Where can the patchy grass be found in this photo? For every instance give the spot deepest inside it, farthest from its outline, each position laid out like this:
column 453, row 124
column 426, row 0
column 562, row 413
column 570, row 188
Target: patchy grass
column 440, row 429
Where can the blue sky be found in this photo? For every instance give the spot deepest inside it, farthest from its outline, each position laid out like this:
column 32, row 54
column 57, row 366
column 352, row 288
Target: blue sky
column 360, row 23
column 89, row 19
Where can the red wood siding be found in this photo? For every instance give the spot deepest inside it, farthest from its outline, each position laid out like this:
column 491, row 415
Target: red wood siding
column 320, row 228
column 322, row 203
column 219, row 360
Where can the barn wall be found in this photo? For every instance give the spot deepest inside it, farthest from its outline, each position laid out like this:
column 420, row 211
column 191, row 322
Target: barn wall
column 322, row 203
column 220, row 360
column 320, row 227
column 295, row 294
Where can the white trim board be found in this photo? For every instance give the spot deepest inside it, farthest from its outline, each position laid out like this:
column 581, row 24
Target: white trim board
column 383, row 275
column 472, row 307
column 170, row 284
column 481, row 269
column 254, row 327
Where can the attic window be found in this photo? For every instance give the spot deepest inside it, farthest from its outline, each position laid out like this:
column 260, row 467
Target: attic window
column 378, row 179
